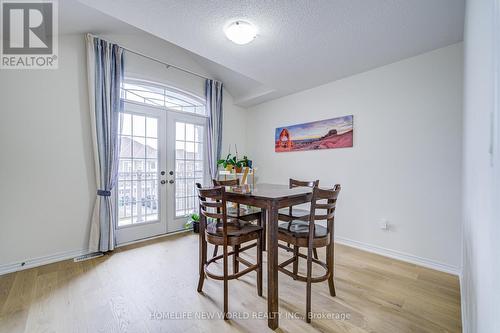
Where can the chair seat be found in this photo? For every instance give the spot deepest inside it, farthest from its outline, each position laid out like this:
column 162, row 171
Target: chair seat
column 300, row 229
column 235, row 228
column 296, row 212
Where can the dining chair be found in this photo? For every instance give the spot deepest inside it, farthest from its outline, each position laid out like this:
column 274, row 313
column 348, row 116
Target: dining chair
column 250, row 214
column 306, row 232
column 290, row 213
column 218, row 229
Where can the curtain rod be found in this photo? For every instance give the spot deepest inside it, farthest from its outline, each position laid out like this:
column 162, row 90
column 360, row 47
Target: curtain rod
column 153, row 59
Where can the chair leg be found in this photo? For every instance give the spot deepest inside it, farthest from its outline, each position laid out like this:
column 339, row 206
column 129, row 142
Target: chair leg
column 296, row 262
column 259, row 264
column 225, row 259
column 203, row 261
column 308, row 285
column 287, row 245
column 330, row 264
column 236, row 263
column 216, row 248
column 315, row 253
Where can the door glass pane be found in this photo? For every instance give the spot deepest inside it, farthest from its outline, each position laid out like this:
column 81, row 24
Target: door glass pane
column 138, row 126
column 179, row 131
column 189, row 168
column 137, row 187
column 189, row 132
column 152, row 127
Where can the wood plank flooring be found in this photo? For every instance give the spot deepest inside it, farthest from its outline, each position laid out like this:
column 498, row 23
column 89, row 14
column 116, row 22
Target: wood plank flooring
column 151, row 287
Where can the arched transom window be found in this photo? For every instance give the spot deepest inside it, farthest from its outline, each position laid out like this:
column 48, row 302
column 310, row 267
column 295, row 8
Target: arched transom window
column 162, row 96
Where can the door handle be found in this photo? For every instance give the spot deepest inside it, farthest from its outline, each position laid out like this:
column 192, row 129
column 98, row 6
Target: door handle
column 171, row 181
column 163, row 182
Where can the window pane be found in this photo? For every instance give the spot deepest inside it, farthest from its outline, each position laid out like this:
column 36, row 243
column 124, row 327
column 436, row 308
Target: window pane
column 138, row 125
column 126, row 147
column 180, row 189
column 138, row 191
column 153, row 217
column 198, row 151
column 190, row 204
column 150, row 190
column 127, row 124
column 139, row 212
column 124, row 170
column 152, row 127
column 137, row 187
column 162, row 96
column 190, row 150
column 179, row 131
column 139, row 170
column 189, row 169
column 198, row 133
column 189, row 132
column 138, row 147
column 151, row 148
column 179, row 150
column 151, row 170
column 180, row 169
column 179, row 204
column 198, row 166
column 190, row 187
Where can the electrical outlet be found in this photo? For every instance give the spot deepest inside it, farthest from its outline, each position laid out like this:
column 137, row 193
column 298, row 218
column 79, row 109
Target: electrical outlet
column 384, row 224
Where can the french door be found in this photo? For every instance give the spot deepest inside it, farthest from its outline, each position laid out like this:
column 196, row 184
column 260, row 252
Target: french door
column 162, row 157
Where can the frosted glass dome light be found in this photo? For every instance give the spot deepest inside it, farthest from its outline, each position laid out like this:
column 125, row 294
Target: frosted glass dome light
column 241, row 32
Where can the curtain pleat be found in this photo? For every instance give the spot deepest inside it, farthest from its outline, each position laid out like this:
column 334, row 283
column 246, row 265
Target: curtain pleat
column 105, row 74
column 213, row 102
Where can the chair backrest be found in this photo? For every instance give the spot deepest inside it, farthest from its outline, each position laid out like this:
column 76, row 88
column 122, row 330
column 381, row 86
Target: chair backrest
column 303, row 183
column 325, row 201
column 213, row 205
column 317, row 202
column 230, row 182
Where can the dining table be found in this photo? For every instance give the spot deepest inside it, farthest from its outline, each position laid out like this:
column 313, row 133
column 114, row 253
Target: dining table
column 270, row 198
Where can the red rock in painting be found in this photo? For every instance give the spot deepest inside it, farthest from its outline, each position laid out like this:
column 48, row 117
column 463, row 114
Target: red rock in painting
column 284, row 142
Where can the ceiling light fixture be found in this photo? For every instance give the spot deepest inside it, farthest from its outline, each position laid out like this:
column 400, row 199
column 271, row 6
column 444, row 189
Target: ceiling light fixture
column 241, row 32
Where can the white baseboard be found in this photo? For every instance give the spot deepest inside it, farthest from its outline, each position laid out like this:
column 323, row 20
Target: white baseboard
column 399, row 256
column 30, row 263
column 463, row 304
column 173, row 233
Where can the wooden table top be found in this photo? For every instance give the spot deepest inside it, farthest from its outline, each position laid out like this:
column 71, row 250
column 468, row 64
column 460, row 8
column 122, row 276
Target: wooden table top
column 272, row 191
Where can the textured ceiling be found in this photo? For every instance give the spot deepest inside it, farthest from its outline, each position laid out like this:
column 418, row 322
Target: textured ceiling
column 301, row 44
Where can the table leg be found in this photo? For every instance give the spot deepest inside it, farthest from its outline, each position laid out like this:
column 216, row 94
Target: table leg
column 272, row 266
column 264, row 224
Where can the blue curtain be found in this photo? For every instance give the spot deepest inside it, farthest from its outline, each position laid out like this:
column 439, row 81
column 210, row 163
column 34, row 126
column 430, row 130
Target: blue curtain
column 213, row 102
column 105, row 74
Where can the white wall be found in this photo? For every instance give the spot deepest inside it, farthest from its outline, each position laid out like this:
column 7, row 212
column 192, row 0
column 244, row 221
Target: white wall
column 47, row 185
column 405, row 165
column 46, row 169
column 481, row 257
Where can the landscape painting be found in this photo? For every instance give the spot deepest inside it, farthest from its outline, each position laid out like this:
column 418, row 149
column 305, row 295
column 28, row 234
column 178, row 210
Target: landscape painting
column 323, row 134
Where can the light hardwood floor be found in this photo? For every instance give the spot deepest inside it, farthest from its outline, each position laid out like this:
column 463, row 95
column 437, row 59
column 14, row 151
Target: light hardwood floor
column 138, row 287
